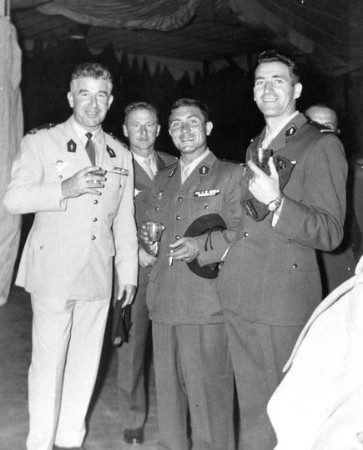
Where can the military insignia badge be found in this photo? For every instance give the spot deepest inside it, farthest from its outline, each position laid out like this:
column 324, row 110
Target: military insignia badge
column 291, row 131
column 111, row 152
column 119, row 171
column 204, row 169
column 172, row 172
column 71, row 146
column 207, row 193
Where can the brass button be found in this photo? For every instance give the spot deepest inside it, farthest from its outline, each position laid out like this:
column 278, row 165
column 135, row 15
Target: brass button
column 95, row 219
column 245, row 234
column 41, row 247
column 60, row 177
column 180, row 199
column 95, row 202
column 294, row 266
column 93, row 237
column 177, row 217
column 157, row 208
column 177, row 237
column 205, row 206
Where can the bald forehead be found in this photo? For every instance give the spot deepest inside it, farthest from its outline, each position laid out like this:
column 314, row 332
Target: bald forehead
column 322, row 115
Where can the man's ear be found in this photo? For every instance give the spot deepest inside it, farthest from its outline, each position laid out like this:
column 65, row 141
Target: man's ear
column 158, row 130
column 124, row 129
column 110, row 100
column 208, row 128
column 70, row 99
column 297, row 90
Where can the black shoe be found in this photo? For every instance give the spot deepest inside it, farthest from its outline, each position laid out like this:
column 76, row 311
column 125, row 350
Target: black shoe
column 134, row 435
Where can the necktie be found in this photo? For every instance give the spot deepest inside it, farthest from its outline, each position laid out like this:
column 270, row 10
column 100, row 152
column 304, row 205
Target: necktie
column 147, row 167
column 90, row 148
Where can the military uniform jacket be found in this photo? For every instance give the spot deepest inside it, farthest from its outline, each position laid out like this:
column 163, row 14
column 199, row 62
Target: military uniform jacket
column 71, row 246
column 270, row 274
column 175, row 294
column 143, row 183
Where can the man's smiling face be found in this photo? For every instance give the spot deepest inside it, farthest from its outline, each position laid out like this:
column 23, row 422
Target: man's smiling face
column 274, row 91
column 189, row 130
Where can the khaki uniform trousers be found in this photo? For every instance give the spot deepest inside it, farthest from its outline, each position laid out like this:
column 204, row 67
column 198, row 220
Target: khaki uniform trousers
column 193, row 375
column 67, row 343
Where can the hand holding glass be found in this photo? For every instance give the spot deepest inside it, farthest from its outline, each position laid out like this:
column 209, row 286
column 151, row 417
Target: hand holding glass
column 154, row 230
column 260, row 156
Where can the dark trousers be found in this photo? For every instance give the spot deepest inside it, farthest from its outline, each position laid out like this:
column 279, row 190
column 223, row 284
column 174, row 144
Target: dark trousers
column 259, row 353
column 131, row 359
column 194, row 378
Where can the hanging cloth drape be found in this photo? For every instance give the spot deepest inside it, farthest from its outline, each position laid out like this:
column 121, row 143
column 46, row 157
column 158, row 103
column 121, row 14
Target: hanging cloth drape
column 11, row 131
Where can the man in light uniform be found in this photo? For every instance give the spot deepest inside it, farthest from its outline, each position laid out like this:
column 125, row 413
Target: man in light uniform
column 78, row 181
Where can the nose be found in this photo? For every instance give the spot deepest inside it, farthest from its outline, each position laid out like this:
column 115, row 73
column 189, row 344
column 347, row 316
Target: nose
column 268, row 86
column 185, row 126
column 93, row 101
column 143, row 130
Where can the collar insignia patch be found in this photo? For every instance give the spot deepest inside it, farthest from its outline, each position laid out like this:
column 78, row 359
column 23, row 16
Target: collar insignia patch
column 204, row 169
column 110, row 152
column 291, row 131
column 71, row 146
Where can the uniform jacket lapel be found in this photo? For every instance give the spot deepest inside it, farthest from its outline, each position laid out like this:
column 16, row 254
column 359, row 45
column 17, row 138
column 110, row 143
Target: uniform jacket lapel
column 200, row 172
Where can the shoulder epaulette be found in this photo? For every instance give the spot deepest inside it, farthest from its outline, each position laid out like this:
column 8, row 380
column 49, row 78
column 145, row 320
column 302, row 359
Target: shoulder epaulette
column 46, row 126
column 232, row 161
column 321, row 128
column 170, row 168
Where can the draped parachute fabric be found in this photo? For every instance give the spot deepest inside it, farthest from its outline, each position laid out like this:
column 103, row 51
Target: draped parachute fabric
column 11, row 131
column 156, row 15
column 329, row 31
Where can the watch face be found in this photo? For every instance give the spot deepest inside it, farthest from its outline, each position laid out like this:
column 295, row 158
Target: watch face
column 273, row 205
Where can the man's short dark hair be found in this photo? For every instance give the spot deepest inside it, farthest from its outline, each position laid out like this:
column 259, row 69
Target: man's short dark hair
column 275, row 56
column 191, row 102
column 141, row 105
column 92, row 70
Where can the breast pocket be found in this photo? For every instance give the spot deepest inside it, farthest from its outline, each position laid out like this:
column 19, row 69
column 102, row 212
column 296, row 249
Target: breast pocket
column 206, row 204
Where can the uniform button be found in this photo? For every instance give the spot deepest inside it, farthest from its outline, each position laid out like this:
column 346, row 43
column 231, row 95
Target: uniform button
column 294, row 266
column 93, row 237
column 245, row 234
column 349, row 269
column 205, row 206
column 95, row 219
column 180, row 199
column 178, row 217
column 60, row 177
column 41, row 247
column 95, row 202
column 157, row 208
column 177, row 237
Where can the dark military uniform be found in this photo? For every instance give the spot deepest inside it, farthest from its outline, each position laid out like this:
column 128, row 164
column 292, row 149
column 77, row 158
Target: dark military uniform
column 192, row 365
column 270, row 283
column 131, row 356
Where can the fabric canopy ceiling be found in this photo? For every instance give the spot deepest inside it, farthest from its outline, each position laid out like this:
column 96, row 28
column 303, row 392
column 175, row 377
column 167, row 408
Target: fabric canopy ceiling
column 329, row 31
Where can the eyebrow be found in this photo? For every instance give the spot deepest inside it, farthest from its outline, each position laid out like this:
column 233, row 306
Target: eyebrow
column 284, row 77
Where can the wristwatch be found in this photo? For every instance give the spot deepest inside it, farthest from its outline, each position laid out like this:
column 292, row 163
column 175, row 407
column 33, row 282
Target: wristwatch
column 275, row 204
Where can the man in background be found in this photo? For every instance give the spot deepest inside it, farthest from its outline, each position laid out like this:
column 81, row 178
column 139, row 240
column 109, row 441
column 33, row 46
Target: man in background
column 141, row 127
column 84, row 226
column 338, row 265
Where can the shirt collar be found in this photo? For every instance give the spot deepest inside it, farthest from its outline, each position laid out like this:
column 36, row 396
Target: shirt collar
column 269, row 137
column 81, row 132
column 192, row 165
